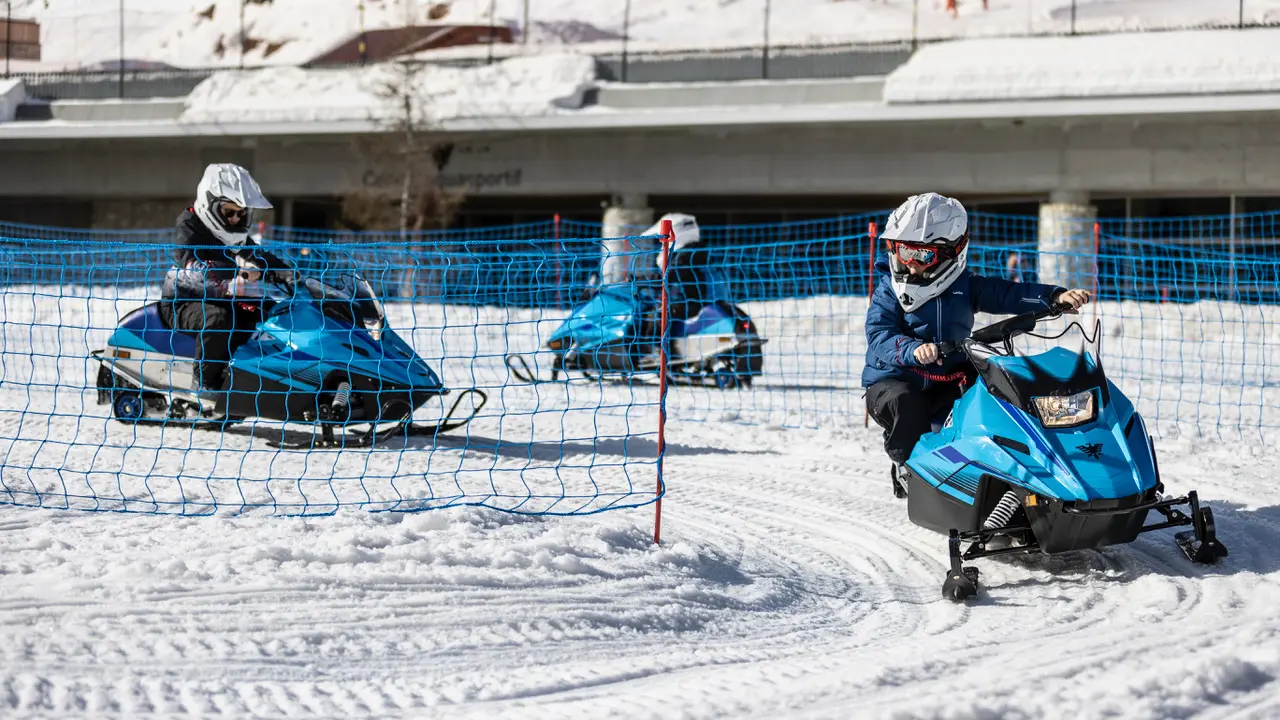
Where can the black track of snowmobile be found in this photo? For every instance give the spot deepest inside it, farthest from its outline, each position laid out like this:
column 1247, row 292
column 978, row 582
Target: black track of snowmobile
column 405, row 428
column 327, row 439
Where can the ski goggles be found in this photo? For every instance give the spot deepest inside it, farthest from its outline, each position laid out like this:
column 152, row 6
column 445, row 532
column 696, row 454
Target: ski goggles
column 924, row 255
column 233, row 214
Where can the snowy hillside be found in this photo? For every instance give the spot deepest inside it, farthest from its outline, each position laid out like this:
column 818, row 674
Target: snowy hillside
column 206, row 32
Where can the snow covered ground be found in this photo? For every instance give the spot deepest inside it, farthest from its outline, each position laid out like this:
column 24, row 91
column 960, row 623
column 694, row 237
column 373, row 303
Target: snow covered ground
column 206, row 32
column 789, row 582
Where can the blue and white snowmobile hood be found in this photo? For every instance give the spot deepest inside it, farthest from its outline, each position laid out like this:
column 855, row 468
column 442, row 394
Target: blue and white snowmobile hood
column 609, row 316
column 1107, row 458
column 298, row 345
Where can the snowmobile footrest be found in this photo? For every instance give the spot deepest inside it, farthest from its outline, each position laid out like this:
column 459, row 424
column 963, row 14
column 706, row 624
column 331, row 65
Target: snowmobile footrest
column 328, row 440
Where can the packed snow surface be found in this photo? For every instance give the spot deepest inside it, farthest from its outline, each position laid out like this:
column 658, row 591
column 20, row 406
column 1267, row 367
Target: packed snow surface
column 789, row 582
column 207, row 32
column 1174, row 63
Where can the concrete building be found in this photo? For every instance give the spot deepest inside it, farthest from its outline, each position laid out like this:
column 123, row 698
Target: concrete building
column 727, row 151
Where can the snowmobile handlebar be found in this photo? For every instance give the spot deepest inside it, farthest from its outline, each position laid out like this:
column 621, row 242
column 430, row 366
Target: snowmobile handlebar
column 1006, row 329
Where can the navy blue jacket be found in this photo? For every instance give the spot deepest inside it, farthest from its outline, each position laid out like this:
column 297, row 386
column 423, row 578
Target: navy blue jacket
column 893, row 334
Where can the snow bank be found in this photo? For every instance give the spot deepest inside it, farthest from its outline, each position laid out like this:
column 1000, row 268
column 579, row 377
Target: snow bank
column 12, row 94
column 1175, row 63
column 518, row 87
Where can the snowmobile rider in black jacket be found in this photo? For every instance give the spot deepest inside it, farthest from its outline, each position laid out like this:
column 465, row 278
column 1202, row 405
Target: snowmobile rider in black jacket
column 214, row 260
column 689, row 282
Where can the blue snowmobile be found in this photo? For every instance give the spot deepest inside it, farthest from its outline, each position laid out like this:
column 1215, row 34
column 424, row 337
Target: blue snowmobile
column 1042, row 454
column 616, row 332
column 322, row 354
column 615, row 335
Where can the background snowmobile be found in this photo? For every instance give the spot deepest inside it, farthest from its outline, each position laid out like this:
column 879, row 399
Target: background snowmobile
column 1042, row 454
column 321, row 354
column 617, row 330
column 616, row 334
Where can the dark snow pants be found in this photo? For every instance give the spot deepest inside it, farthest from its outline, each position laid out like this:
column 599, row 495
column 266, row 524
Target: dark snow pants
column 906, row 412
column 220, row 328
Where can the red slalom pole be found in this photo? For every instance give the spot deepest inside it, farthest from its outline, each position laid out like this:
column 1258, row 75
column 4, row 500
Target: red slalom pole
column 872, row 233
column 556, row 224
column 1097, row 248
column 668, row 237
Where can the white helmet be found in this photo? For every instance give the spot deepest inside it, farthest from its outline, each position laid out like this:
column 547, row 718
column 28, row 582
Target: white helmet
column 685, row 228
column 930, row 234
column 227, row 183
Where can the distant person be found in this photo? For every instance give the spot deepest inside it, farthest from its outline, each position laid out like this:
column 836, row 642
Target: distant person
column 690, row 281
column 954, row 9
column 1013, row 268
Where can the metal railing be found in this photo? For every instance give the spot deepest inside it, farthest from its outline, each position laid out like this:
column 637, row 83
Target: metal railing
column 765, row 59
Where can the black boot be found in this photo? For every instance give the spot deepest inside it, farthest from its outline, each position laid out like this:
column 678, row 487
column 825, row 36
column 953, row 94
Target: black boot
column 207, row 384
column 899, row 478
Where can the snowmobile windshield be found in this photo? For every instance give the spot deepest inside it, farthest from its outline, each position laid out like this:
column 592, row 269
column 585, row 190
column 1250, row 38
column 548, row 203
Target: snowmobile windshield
column 347, row 298
column 1050, row 362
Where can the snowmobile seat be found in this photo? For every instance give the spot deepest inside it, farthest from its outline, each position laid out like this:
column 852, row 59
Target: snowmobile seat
column 148, row 324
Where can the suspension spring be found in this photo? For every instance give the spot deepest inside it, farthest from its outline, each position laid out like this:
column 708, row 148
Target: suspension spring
column 340, row 398
column 1003, row 511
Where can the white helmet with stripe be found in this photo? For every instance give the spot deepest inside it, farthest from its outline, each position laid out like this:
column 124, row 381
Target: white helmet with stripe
column 686, row 232
column 928, row 242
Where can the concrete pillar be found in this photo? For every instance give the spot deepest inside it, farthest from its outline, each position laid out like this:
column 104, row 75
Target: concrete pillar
column 624, row 260
column 286, row 212
column 1066, row 240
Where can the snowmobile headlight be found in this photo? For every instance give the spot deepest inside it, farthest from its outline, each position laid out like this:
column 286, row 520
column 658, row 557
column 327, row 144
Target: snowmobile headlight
column 374, row 326
column 1059, row 411
column 557, row 344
